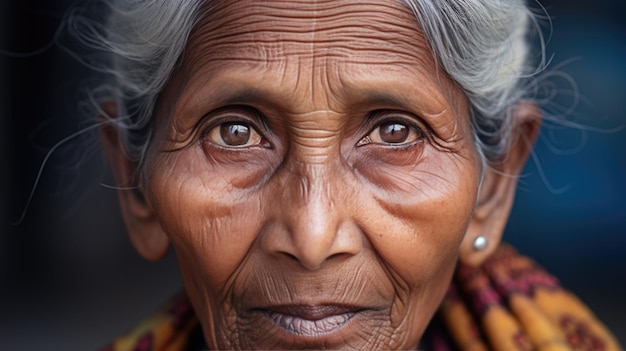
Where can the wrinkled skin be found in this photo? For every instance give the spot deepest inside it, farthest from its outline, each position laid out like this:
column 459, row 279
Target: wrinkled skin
column 316, row 174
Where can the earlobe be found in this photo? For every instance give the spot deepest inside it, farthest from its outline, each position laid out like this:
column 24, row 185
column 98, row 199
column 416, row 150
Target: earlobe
column 496, row 195
column 144, row 229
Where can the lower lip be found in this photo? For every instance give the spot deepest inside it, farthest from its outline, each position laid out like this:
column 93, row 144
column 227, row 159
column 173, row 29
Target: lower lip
column 310, row 328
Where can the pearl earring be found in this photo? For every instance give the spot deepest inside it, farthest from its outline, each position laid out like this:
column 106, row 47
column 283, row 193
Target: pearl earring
column 480, row 243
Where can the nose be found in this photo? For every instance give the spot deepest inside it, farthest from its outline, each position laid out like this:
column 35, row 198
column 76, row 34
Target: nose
column 313, row 224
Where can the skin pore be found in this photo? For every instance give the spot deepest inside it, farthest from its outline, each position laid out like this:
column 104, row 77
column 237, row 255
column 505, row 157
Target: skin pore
column 316, row 174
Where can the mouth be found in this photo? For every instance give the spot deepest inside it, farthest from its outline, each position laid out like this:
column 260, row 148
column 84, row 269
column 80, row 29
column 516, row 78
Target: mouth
column 311, row 321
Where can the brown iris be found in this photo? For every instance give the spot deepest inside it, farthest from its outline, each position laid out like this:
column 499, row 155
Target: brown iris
column 235, row 134
column 393, row 133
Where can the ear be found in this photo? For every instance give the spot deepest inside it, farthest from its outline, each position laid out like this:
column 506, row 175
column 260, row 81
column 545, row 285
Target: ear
column 495, row 198
column 143, row 227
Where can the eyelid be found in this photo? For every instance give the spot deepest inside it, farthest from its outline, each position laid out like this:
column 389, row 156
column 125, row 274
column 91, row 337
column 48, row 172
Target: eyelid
column 379, row 117
column 236, row 113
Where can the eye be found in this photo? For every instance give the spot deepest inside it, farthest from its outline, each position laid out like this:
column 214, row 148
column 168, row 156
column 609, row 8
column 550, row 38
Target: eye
column 234, row 135
column 393, row 133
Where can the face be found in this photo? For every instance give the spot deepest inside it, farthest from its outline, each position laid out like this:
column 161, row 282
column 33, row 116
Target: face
column 316, row 174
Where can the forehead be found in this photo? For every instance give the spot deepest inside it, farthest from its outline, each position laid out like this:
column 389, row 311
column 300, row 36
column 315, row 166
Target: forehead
column 337, row 28
column 308, row 50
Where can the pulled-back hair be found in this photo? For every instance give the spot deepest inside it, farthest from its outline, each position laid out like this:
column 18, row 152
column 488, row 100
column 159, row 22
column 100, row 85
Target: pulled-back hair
column 484, row 46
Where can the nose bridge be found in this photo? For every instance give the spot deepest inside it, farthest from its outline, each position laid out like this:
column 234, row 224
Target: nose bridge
column 313, row 175
column 317, row 224
column 315, row 214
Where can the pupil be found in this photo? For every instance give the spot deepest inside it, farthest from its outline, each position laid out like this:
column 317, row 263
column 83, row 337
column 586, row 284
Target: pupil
column 235, row 134
column 394, row 133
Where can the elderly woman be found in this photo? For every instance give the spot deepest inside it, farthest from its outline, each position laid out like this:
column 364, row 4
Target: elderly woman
column 325, row 169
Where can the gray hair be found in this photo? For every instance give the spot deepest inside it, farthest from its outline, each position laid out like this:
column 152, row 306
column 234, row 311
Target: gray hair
column 482, row 45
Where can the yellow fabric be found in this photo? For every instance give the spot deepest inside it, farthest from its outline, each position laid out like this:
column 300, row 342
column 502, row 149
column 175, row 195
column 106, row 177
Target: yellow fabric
column 507, row 304
column 510, row 303
column 167, row 330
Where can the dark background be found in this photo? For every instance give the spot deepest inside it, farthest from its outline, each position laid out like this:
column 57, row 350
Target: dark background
column 69, row 279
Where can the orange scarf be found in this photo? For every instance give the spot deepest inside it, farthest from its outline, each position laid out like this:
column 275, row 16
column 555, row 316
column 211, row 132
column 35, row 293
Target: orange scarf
column 509, row 303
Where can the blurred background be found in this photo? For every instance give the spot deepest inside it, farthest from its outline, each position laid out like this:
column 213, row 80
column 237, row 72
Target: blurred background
column 69, row 279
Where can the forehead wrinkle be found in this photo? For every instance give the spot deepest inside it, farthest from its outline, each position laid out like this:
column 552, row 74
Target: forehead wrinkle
column 342, row 29
column 239, row 37
column 403, row 50
column 290, row 16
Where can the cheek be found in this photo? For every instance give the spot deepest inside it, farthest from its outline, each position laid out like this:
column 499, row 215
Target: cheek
column 423, row 212
column 427, row 207
column 210, row 220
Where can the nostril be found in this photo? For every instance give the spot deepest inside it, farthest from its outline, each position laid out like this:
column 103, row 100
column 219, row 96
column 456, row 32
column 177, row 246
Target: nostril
column 291, row 257
column 337, row 256
column 312, row 233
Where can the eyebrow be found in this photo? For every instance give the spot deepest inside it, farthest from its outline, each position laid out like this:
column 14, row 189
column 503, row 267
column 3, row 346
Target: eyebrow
column 390, row 96
column 396, row 99
column 402, row 100
column 382, row 98
column 247, row 95
column 367, row 97
column 370, row 96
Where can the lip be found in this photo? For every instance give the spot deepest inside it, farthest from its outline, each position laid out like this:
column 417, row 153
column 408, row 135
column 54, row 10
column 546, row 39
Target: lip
column 311, row 321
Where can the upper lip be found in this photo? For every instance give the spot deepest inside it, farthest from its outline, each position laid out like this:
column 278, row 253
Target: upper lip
column 312, row 312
